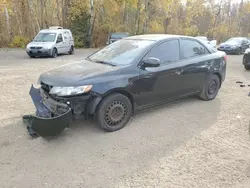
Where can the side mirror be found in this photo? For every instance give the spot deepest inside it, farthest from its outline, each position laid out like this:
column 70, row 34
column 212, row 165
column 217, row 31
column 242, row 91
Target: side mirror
column 151, row 62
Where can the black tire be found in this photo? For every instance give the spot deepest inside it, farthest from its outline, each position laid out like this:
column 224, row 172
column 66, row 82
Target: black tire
column 211, row 88
column 247, row 67
column 54, row 53
column 31, row 56
column 117, row 105
column 71, row 51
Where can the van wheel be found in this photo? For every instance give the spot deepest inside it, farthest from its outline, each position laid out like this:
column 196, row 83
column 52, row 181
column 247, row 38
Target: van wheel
column 114, row 112
column 71, row 51
column 54, row 53
column 211, row 88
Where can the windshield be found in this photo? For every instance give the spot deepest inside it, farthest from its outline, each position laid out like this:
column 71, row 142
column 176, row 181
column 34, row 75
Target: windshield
column 234, row 40
column 122, row 52
column 118, row 35
column 45, row 37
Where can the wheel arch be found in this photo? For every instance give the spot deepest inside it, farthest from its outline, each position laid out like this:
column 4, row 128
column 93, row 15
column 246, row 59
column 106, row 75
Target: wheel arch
column 118, row 90
column 219, row 76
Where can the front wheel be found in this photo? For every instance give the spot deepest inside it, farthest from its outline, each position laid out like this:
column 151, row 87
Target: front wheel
column 31, row 56
column 71, row 51
column 239, row 51
column 211, row 88
column 54, row 53
column 114, row 112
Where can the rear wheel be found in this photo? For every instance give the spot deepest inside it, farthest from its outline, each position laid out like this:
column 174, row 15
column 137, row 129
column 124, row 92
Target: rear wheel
column 211, row 88
column 114, row 112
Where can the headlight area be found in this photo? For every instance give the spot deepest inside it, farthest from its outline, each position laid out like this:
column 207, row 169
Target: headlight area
column 79, row 99
column 54, row 112
column 70, row 91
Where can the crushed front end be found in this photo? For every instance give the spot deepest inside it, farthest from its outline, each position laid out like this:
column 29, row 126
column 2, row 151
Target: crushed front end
column 51, row 117
column 55, row 113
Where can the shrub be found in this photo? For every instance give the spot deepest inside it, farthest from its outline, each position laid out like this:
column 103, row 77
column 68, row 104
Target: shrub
column 19, row 42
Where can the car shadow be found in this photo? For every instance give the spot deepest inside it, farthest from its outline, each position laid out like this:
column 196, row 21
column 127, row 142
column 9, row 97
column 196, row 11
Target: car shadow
column 204, row 114
column 168, row 117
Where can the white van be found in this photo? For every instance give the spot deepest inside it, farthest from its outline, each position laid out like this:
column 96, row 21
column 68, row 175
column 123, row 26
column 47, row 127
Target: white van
column 51, row 42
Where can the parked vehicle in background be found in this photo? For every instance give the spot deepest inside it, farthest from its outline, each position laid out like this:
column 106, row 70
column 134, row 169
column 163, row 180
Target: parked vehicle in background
column 246, row 59
column 51, row 42
column 205, row 39
column 235, row 45
column 112, row 37
column 131, row 74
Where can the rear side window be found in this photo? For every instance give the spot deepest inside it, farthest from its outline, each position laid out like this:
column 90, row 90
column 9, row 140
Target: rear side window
column 167, row 51
column 192, row 48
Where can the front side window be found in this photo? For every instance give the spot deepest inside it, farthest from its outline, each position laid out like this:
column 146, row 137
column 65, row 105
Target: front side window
column 45, row 37
column 59, row 38
column 192, row 48
column 166, row 52
column 122, row 52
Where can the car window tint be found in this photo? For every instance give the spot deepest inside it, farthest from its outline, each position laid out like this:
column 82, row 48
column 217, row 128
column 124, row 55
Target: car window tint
column 191, row 48
column 60, row 36
column 167, row 51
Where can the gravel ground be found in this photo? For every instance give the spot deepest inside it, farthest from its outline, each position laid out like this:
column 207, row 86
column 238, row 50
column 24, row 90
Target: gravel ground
column 188, row 144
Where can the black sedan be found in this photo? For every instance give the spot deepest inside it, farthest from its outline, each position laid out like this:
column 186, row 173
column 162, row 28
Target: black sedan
column 235, row 45
column 116, row 36
column 124, row 77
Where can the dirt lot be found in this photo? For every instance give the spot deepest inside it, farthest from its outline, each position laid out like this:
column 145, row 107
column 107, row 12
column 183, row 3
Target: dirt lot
column 189, row 144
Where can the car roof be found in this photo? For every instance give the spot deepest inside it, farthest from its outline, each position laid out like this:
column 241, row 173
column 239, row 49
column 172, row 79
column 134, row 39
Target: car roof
column 53, row 30
column 155, row 37
column 237, row 38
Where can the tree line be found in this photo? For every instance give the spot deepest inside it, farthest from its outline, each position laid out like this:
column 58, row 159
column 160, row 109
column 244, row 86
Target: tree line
column 92, row 20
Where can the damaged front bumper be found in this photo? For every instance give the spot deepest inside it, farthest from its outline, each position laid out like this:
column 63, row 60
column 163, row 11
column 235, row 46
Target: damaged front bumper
column 51, row 117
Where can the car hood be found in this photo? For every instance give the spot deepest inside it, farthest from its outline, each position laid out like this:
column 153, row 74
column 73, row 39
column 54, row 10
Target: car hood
column 230, row 44
column 76, row 74
column 40, row 44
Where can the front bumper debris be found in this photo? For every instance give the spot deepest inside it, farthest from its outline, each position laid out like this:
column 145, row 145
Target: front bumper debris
column 51, row 117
